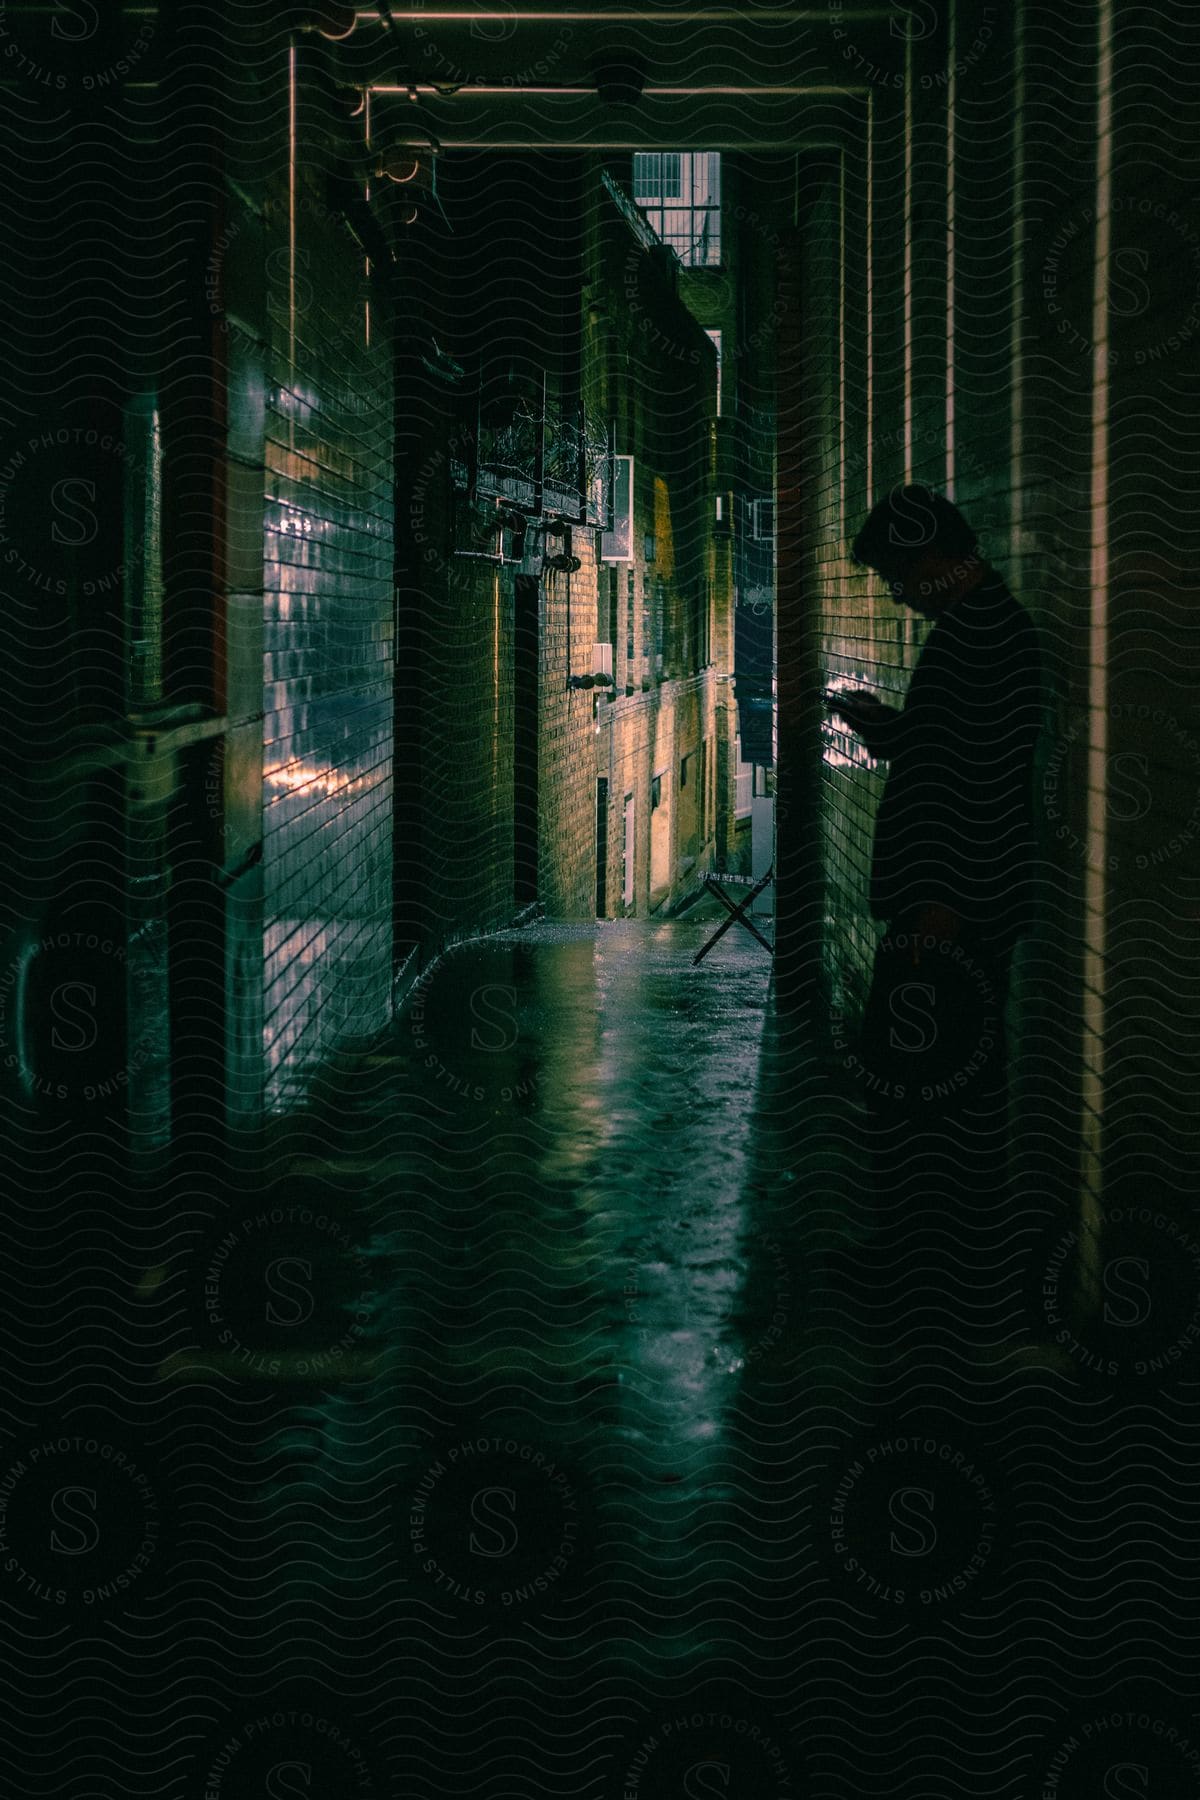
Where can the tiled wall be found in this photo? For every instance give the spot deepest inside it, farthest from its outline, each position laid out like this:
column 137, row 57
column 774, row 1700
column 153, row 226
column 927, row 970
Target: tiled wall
column 327, row 649
column 949, row 281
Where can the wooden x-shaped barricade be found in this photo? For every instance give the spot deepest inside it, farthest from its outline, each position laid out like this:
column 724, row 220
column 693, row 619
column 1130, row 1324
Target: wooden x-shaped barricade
column 737, row 914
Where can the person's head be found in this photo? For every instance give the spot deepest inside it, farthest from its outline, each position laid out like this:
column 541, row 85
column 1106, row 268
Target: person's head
column 921, row 545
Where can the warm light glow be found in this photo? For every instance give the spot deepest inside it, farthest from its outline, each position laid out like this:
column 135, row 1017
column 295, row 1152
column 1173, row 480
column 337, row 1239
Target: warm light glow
column 295, row 524
column 400, row 166
column 292, row 206
column 317, row 778
column 328, row 28
column 664, row 534
column 1095, row 880
column 836, row 755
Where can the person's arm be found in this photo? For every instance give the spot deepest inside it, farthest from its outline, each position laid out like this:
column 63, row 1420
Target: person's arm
column 876, row 724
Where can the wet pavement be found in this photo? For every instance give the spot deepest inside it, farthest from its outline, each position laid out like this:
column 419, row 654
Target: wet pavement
column 617, row 1482
column 540, row 1428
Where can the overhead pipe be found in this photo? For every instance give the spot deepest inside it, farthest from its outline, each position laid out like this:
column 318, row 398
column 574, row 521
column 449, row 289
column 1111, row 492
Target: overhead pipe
column 333, row 19
column 639, row 15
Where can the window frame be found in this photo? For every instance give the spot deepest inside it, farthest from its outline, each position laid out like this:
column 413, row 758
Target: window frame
column 689, row 227
column 616, row 540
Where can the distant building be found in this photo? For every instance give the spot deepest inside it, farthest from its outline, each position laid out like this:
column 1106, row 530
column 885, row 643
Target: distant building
column 720, row 216
column 585, row 491
column 665, row 792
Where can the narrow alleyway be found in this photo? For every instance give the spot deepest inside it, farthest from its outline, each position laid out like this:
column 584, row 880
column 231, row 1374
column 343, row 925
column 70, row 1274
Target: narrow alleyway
column 474, row 481
column 593, row 1441
column 554, row 1148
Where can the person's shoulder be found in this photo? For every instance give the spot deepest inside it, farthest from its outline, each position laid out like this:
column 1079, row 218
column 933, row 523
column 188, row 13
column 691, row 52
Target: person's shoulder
column 995, row 642
column 995, row 595
column 994, row 607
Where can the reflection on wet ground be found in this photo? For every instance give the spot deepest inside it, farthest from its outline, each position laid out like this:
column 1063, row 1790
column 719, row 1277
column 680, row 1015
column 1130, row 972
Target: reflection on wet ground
column 562, row 1421
column 553, row 1152
column 582, row 1470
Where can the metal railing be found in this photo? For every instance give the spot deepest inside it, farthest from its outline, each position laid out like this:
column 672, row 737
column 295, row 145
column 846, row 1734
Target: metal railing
column 541, row 458
column 636, row 220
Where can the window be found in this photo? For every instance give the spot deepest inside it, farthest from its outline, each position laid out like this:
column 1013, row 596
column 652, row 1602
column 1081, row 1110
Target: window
column 699, row 602
column 762, row 521
column 616, row 543
column 601, row 847
column 628, row 840
column 658, row 173
column 655, row 792
column 680, row 194
column 683, row 771
column 715, row 336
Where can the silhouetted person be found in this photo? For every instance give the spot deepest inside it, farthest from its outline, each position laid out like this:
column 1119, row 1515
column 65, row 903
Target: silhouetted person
column 953, row 859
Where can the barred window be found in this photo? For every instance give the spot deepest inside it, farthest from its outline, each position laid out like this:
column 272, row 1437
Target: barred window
column 658, row 173
column 680, row 194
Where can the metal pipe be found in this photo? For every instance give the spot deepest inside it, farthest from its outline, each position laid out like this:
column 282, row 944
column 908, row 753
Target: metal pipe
column 641, row 15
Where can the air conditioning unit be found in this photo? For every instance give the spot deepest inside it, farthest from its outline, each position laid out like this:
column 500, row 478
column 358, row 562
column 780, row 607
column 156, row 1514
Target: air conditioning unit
column 602, row 660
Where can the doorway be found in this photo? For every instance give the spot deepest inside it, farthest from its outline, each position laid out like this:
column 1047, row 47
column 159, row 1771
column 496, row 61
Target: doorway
column 601, row 847
column 526, row 610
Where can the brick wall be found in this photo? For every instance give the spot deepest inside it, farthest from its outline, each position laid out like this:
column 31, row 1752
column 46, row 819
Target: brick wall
column 506, row 307
column 949, row 263
column 656, row 375
column 567, row 740
column 641, row 739
column 1148, row 741
column 569, row 297
column 454, row 695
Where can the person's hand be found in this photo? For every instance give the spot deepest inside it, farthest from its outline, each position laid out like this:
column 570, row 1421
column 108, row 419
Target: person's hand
column 858, row 704
column 866, row 715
